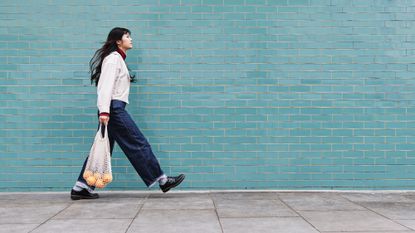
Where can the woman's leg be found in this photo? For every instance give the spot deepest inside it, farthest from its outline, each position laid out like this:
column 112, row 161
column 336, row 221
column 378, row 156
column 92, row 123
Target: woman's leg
column 133, row 143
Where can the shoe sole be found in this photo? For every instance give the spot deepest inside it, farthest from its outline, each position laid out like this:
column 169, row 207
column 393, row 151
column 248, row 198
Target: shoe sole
column 180, row 180
column 77, row 197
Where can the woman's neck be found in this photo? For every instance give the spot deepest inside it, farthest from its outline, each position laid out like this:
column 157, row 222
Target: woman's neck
column 122, row 49
column 122, row 52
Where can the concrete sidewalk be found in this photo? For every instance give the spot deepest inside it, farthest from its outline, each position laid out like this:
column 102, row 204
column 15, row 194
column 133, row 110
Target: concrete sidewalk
column 210, row 212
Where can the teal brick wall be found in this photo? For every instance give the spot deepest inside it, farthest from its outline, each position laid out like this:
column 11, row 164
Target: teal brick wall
column 237, row 94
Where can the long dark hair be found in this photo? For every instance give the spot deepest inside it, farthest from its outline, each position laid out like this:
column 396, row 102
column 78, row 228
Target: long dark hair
column 109, row 46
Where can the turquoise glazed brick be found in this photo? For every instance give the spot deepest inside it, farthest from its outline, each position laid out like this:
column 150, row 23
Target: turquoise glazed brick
column 237, row 94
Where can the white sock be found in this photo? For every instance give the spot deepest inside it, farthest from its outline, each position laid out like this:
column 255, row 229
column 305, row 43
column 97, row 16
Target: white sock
column 79, row 186
column 163, row 180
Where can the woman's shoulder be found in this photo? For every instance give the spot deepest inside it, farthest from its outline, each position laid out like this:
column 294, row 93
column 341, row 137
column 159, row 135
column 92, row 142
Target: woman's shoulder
column 113, row 57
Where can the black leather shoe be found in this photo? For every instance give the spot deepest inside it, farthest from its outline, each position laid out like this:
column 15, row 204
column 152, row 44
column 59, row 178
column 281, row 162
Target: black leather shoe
column 83, row 194
column 172, row 182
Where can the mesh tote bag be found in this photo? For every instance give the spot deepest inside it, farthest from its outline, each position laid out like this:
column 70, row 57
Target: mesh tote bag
column 98, row 167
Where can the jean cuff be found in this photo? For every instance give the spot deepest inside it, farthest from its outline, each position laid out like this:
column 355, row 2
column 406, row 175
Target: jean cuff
column 157, row 180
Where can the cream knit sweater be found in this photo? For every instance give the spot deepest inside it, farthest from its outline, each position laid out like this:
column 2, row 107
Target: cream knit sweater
column 114, row 82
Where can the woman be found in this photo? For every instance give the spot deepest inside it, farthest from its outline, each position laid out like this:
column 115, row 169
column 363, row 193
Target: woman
column 112, row 78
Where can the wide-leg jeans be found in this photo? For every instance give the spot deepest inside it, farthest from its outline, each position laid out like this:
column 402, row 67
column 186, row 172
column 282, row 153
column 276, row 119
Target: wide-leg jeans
column 123, row 130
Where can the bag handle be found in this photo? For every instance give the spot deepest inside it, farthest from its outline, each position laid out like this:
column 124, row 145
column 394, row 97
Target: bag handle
column 102, row 128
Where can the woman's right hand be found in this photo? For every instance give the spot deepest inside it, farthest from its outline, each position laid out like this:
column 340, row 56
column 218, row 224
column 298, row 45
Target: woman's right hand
column 104, row 119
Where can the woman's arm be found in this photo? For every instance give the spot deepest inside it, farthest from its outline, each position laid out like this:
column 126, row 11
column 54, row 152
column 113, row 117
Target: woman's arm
column 106, row 84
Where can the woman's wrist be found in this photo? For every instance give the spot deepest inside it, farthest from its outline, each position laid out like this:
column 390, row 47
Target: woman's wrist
column 104, row 114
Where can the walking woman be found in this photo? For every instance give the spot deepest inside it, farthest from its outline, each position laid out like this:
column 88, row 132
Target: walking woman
column 112, row 78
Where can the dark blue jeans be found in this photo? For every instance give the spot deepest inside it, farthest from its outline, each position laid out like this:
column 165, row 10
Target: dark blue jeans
column 135, row 146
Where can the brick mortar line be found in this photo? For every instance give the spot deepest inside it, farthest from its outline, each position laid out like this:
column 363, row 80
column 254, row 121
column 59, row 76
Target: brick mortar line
column 231, row 191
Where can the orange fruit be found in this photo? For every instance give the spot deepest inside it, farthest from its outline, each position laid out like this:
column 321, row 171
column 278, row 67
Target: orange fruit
column 97, row 175
column 91, row 180
column 107, row 178
column 87, row 174
column 100, row 184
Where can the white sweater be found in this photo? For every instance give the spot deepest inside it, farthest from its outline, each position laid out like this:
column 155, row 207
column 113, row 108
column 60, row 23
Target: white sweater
column 114, row 82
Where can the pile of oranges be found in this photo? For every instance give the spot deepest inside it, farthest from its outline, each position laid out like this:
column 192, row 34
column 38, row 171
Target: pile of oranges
column 97, row 179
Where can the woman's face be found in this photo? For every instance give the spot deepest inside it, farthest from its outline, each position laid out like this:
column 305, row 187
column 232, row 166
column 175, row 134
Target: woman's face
column 126, row 42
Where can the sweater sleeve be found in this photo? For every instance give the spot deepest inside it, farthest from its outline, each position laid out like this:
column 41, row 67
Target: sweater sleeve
column 106, row 83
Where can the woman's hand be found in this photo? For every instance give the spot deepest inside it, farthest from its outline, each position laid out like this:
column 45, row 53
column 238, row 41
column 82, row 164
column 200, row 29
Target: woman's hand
column 104, row 119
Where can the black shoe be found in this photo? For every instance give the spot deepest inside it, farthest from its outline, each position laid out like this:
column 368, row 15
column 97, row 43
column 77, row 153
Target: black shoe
column 172, row 182
column 83, row 194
